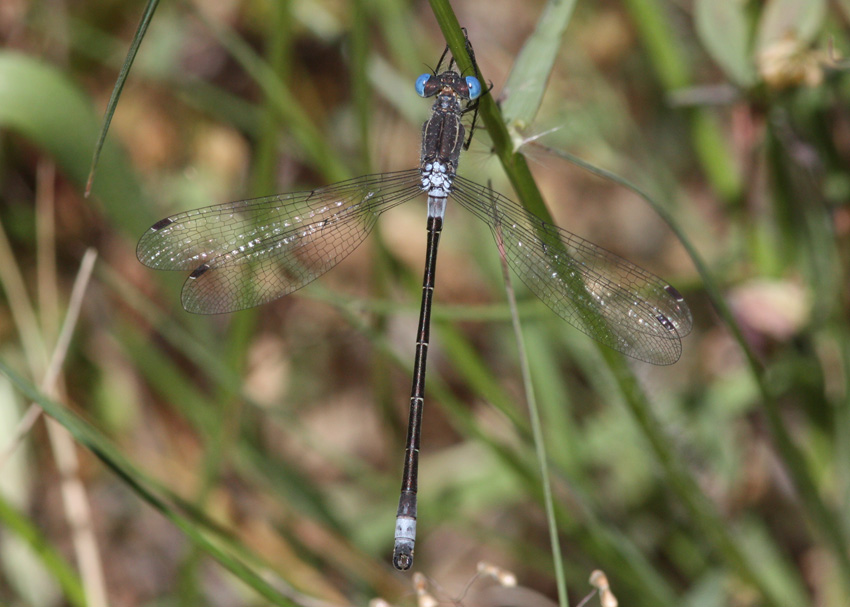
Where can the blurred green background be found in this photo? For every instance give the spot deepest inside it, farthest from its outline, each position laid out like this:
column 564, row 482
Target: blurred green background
column 254, row 458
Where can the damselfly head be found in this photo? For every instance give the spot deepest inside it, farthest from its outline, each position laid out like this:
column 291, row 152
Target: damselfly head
column 428, row 85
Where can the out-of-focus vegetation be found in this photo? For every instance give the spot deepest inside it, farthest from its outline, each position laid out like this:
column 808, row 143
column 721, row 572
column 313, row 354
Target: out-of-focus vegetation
column 217, row 460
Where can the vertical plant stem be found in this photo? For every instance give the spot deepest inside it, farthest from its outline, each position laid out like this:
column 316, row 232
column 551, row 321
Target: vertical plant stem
column 278, row 44
column 45, row 233
column 360, row 88
column 537, row 430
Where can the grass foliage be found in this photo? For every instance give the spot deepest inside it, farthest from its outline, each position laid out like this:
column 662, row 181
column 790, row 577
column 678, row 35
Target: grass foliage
column 254, row 458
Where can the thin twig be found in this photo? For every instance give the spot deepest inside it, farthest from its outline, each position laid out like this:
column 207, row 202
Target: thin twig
column 21, row 308
column 48, row 382
column 74, row 497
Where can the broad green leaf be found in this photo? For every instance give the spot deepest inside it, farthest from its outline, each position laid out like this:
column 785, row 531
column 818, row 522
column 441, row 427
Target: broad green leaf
column 722, row 28
column 41, row 104
column 527, row 81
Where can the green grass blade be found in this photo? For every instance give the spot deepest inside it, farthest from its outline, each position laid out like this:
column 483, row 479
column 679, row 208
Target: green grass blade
column 360, row 85
column 539, row 441
column 682, row 483
column 279, row 51
column 675, row 73
column 15, row 523
column 293, row 116
column 119, row 86
column 791, row 454
column 89, row 437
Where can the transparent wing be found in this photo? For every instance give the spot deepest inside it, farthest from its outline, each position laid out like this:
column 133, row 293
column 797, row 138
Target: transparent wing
column 249, row 252
column 601, row 294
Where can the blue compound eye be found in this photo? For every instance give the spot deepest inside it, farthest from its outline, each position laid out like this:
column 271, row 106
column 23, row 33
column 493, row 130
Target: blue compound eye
column 420, row 84
column 474, row 87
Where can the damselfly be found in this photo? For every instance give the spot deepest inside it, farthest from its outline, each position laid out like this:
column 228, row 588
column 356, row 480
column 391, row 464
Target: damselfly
column 245, row 253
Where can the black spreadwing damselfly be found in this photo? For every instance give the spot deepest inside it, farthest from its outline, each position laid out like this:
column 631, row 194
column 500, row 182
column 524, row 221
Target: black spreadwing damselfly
column 245, row 253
